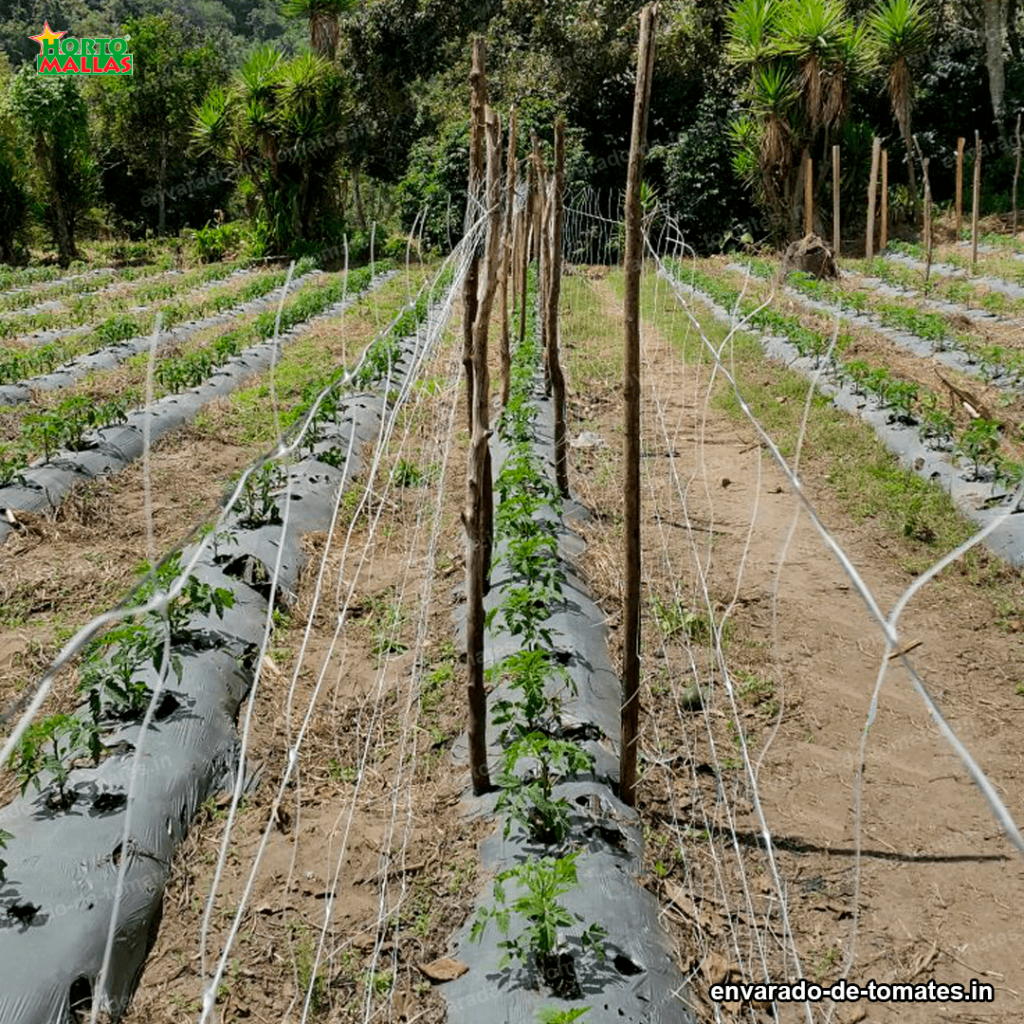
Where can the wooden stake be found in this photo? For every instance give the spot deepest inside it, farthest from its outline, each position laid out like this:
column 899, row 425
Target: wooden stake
column 976, row 200
column 927, row 227
column 527, row 229
column 506, row 260
column 883, row 239
column 478, row 86
column 959, row 185
column 478, row 475
column 631, row 482
column 836, row 238
column 808, row 193
column 1016, row 178
column 927, row 219
column 542, row 235
column 554, row 292
column 869, row 247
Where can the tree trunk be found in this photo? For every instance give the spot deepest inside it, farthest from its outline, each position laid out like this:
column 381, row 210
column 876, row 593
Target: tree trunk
column 1012, row 35
column 908, row 141
column 995, row 37
column 357, row 197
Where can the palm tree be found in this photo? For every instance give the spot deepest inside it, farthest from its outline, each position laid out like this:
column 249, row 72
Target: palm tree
column 323, row 16
column 899, row 31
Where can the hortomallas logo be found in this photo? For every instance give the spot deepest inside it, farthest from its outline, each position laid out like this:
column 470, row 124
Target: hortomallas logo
column 60, row 56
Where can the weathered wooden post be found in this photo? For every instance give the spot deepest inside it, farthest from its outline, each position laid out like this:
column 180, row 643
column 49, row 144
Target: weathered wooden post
column 959, row 185
column 478, row 85
column 506, row 257
column 883, row 238
column 475, row 517
column 554, row 292
column 869, row 246
column 1016, row 178
column 927, row 227
column 808, row 193
column 631, row 478
column 976, row 200
column 835, row 201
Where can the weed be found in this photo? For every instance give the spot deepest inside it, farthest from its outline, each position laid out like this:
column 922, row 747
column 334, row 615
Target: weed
column 406, row 474
column 386, row 620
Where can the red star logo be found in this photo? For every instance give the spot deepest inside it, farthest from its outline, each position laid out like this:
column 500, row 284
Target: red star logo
column 47, row 36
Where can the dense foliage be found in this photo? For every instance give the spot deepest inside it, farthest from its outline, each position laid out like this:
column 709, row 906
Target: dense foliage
column 367, row 102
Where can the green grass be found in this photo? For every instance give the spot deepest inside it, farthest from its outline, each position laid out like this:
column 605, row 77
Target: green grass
column 866, row 480
column 305, row 365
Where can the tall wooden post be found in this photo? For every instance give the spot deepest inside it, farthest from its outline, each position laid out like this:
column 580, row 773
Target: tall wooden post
column 836, row 238
column 808, row 193
column 478, row 483
column 927, row 219
column 527, row 232
column 927, row 227
column 883, row 238
column 959, row 185
column 631, row 478
column 869, row 246
column 506, row 257
column 1016, row 178
column 542, row 236
column 478, row 84
column 976, row 200
column 554, row 293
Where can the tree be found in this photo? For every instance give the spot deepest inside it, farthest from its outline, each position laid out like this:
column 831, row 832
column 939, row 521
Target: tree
column 13, row 193
column 323, row 16
column 284, row 123
column 899, row 33
column 803, row 58
column 53, row 114
column 148, row 117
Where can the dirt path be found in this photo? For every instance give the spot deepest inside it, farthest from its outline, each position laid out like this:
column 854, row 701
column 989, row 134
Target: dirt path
column 942, row 891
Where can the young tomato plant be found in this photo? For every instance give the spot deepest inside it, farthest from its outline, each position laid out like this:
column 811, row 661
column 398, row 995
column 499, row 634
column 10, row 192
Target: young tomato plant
column 50, row 746
column 901, row 397
column 194, row 598
column 979, row 443
column 937, row 425
column 258, row 503
column 136, row 644
column 552, row 1015
column 532, row 803
column 527, row 673
column 543, row 882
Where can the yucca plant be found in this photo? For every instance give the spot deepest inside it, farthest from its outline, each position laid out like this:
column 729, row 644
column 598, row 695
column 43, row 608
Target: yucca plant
column 899, row 32
column 323, row 16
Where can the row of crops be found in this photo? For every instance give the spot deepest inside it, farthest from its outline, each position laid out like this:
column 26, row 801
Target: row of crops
column 987, row 447
column 183, row 659
column 70, row 423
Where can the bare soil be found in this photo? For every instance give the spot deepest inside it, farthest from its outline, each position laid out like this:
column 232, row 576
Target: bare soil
column 941, row 888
